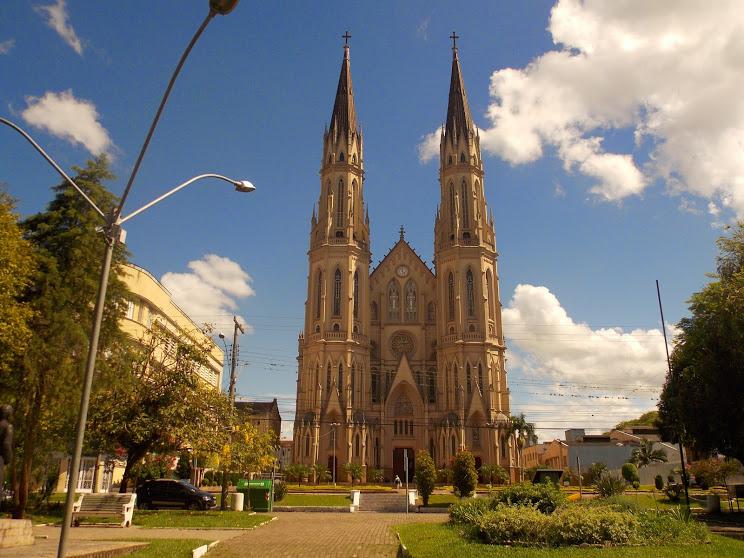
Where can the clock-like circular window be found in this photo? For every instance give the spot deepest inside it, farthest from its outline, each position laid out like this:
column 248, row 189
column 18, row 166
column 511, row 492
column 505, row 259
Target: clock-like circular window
column 402, row 343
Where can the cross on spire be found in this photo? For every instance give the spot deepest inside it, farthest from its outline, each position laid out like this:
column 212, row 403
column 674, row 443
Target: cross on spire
column 454, row 38
column 346, row 36
column 402, row 232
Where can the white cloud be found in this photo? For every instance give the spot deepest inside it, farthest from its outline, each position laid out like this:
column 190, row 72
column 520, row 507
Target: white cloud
column 428, row 148
column 422, row 31
column 57, row 18
column 569, row 374
column 7, row 46
column 64, row 116
column 672, row 77
column 208, row 293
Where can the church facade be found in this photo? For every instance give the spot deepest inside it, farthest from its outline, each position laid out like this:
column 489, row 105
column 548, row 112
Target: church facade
column 401, row 357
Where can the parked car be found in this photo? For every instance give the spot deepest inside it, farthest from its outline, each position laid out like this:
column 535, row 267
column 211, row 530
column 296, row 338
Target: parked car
column 167, row 493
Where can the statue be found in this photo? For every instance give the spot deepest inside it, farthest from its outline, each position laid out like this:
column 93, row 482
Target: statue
column 6, row 441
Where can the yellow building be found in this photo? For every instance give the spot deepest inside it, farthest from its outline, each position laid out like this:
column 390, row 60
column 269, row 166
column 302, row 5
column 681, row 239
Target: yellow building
column 150, row 305
column 402, row 357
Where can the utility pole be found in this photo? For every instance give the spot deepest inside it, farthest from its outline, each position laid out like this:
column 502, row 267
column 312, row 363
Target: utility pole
column 679, row 433
column 231, row 392
column 333, row 434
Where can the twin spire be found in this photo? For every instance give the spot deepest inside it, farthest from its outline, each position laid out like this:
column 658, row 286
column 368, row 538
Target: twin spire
column 459, row 119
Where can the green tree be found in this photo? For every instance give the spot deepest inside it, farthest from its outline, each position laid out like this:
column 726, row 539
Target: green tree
column 354, row 470
column 524, row 433
column 630, row 473
column 159, row 403
column 464, row 475
column 645, row 454
column 426, row 475
column 46, row 388
column 322, row 473
column 646, row 419
column 17, row 266
column 706, row 383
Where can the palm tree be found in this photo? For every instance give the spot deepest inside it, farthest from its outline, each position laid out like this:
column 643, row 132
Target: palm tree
column 523, row 432
column 645, row 454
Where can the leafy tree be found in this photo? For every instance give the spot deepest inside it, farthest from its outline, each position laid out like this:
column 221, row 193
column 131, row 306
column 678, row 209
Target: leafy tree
column 322, row 473
column 297, row 472
column 45, row 389
column 376, row 475
column 17, row 266
column 630, row 473
column 706, row 383
column 159, row 403
column 595, row 471
column 247, row 449
column 645, row 454
column 183, row 468
column 354, row 470
column 646, row 419
column 494, row 474
column 524, row 434
column 464, row 475
column 426, row 475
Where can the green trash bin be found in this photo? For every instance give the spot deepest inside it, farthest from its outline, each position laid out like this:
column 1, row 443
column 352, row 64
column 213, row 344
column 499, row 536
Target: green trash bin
column 260, row 494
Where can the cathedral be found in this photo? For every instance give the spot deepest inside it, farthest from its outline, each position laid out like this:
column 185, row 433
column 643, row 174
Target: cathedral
column 401, row 357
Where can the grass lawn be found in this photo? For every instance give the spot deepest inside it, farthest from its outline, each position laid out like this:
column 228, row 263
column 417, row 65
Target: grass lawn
column 293, row 487
column 173, row 548
column 442, row 500
column 433, row 540
column 314, row 500
column 198, row 519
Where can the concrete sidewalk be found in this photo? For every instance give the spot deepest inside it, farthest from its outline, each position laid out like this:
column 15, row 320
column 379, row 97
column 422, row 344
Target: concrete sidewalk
column 108, row 541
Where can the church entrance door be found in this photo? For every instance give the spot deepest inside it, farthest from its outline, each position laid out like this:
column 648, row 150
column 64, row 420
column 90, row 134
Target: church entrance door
column 399, row 464
column 333, row 466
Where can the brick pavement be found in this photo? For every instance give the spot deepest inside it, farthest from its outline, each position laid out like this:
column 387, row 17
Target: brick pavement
column 331, row 535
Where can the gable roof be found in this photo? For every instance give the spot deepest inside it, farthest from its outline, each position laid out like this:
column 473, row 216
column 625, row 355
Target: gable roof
column 401, row 245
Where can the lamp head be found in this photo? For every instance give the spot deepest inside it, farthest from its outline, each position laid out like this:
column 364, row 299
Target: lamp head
column 244, row 186
column 221, row 335
column 222, row 7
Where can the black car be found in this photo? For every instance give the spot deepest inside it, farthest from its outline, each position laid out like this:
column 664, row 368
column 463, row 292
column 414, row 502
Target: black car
column 166, row 493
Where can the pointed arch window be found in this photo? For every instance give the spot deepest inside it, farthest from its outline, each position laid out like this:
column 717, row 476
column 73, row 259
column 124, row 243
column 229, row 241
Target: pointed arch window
column 356, row 445
column 453, row 445
column 318, row 293
column 353, row 383
column 317, row 381
column 356, row 294
column 393, row 301
column 353, row 197
column 480, row 376
column 452, row 206
column 341, row 191
column 375, row 387
column 328, row 378
column 337, row 293
column 470, row 296
column 431, row 384
column 489, row 294
column 341, row 157
column 411, row 301
column 451, row 296
column 307, row 445
column 430, row 312
column 468, row 379
column 373, row 311
column 465, row 201
column 340, row 378
column 431, row 449
column 462, row 157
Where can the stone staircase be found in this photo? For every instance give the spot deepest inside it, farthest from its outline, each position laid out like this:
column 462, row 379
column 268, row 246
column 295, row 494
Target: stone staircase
column 393, row 502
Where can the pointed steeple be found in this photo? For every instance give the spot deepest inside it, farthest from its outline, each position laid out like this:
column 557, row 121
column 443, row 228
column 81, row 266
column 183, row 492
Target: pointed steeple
column 459, row 120
column 343, row 119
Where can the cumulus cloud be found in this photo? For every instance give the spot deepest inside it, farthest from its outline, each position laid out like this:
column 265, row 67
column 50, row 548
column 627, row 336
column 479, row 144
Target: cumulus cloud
column 57, row 18
column 209, row 293
column 428, row 148
column 672, row 77
column 7, row 46
column 571, row 374
column 71, row 119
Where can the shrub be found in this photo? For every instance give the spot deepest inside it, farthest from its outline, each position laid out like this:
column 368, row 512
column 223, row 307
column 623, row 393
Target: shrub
column 669, row 527
column 659, row 482
column 469, row 511
column 426, row 474
column 376, row 476
column 599, row 525
column 280, row 491
column 630, row 473
column 673, row 491
column 354, row 470
column 594, row 472
column 464, row 475
column 322, row 473
column 609, row 484
column 545, row 497
column 512, row 525
column 494, row 474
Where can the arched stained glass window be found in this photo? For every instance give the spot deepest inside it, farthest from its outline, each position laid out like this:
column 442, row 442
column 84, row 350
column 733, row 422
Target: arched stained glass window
column 340, row 378
column 375, row 387
column 465, row 203
column 318, row 293
column 468, row 378
column 393, row 301
column 451, row 296
column 453, row 445
column 373, row 311
column 328, row 378
column 411, row 299
column 452, row 206
column 489, row 294
column 340, row 200
column 356, row 294
column 353, row 383
column 337, row 293
column 470, row 295
column 431, row 312
column 431, row 384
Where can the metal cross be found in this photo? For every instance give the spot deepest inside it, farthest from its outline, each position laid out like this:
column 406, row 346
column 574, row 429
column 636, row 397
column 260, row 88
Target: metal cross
column 346, row 36
column 454, row 38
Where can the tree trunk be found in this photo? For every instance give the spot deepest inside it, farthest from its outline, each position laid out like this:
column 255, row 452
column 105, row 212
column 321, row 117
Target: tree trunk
column 133, row 457
column 29, row 443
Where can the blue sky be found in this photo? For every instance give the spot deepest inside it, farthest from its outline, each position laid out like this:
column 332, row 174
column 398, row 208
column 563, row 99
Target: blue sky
column 611, row 159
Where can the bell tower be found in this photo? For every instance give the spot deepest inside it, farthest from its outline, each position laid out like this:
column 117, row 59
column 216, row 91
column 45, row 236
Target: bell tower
column 470, row 348
column 333, row 359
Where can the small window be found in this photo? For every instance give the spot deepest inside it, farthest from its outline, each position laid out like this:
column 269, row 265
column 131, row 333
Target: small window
column 449, row 160
column 373, row 311
column 336, row 327
column 341, row 157
column 353, row 158
column 130, row 309
column 462, row 157
column 317, row 328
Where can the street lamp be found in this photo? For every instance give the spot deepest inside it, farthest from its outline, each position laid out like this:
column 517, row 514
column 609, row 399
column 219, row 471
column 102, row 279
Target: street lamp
column 113, row 233
column 333, row 435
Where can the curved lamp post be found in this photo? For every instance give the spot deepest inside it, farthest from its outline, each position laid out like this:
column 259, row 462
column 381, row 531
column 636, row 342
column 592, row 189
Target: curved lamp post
column 113, row 233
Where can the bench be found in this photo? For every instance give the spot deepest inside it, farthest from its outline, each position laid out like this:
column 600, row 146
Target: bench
column 105, row 504
column 735, row 492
